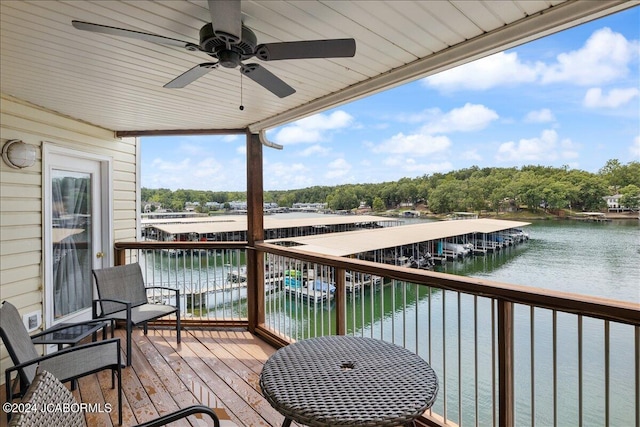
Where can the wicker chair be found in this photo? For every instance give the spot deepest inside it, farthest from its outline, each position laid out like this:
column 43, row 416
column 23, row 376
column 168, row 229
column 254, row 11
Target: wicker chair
column 47, row 390
column 123, row 296
column 66, row 365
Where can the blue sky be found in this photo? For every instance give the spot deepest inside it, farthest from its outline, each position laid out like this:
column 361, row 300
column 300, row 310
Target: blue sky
column 572, row 99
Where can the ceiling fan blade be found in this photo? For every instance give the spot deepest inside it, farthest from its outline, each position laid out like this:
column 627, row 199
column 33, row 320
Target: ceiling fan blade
column 267, row 79
column 121, row 32
column 191, row 75
column 333, row 48
column 226, row 20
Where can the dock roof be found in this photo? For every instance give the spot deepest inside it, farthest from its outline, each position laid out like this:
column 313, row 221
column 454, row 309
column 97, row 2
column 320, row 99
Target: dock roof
column 238, row 223
column 355, row 242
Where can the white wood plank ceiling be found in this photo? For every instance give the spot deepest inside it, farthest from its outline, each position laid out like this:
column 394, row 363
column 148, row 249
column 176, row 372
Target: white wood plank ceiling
column 117, row 83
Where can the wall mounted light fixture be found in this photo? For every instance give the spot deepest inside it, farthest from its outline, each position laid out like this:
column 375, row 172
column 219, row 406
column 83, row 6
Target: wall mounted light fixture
column 18, row 154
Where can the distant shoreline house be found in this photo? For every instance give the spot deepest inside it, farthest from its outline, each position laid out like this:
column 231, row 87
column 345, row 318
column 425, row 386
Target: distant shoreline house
column 613, row 204
column 308, row 207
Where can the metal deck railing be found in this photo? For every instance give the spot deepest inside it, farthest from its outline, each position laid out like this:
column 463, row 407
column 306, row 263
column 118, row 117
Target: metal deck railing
column 504, row 354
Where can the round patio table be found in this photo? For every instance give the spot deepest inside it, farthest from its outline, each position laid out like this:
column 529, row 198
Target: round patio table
column 348, row 381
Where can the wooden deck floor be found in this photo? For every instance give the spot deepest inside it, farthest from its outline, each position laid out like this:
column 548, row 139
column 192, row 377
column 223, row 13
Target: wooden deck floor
column 216, row 368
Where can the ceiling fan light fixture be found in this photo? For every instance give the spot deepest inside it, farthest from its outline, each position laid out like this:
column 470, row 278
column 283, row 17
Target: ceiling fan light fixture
column 228, row 58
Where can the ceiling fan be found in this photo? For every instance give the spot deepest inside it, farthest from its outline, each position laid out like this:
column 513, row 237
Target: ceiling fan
column 229, row 42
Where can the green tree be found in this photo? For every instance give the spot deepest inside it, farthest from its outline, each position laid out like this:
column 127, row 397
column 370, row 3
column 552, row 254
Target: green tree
column 529, row 190
column 448, row 196
column 343, row 199
column 630, row 196
column 612, row 173
column 557, row 194
column 378, row 205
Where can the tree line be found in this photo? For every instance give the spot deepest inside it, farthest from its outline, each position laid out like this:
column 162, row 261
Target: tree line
column 471, row 189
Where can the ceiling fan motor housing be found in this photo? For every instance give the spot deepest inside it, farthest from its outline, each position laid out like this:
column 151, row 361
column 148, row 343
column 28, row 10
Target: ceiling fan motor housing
column 218, row 47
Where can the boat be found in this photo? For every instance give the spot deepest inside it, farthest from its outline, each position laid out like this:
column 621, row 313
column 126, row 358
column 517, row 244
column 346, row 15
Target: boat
column 314, row 291
column 455, row 250
column 357, row 281
column 209, row 296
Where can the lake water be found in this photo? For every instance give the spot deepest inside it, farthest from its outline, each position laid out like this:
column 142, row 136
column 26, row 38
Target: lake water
column 599, row 259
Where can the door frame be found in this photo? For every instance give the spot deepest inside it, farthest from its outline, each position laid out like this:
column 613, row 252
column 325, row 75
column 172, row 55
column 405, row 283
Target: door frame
column 106, row 221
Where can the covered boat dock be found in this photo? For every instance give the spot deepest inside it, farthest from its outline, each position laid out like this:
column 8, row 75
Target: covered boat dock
column 409, row 243
column 227, row 228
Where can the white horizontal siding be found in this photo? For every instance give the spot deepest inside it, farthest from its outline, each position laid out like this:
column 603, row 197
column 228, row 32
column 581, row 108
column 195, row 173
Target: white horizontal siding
column 21, row 196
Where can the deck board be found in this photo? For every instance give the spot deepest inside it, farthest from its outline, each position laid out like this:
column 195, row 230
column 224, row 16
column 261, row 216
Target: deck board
column 216, row 368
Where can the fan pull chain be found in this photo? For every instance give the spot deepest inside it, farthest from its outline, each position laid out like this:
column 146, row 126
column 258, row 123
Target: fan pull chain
column 241, row 106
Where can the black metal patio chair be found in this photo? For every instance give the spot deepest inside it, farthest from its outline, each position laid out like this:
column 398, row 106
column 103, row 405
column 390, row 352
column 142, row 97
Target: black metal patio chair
column 47, row 390
column 122, row 295
column 68, row 364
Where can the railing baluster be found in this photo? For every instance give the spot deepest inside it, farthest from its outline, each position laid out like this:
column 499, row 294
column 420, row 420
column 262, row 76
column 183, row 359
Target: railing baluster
column 475, row 358
column 637, row 372
column 607, row 373
column 505, row 363
column 532, row 339
column 444, row 355
column 459, row 361
column 341, row 302
column 580, row 369
column 494, row 359
column 555, row 366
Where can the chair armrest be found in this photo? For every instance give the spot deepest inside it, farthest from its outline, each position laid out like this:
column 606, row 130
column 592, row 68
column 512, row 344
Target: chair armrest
column 176, row 290
column 182, row 413
column 119, row 301
column 59, row 353
column 94, row 306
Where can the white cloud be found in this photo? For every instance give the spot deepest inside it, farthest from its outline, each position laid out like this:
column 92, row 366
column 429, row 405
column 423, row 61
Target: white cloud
column 337, row 168
column 485, row 73
column 569, row 149
column 634, row 149
column 471, row 155
column 230, row 138
column 540, row 116
column 546, row 147
column 409, row 165
column 198, row 175
column 283, row 169
column 207, row 168
column 428, row 140
column 315, row 150
column 418, row 144
column 314, row 128
column 604, row 57
column 283, row 175
column 469, row 118
column 594, row 98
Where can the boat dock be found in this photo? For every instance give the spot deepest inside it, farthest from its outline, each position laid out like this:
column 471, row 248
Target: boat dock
column 369, row 237
column 411, row 245
column 591, row 217
column 231, row 228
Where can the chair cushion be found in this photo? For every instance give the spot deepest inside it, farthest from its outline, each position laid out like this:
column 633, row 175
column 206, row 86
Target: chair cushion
column 82, row 360
column 145, row 312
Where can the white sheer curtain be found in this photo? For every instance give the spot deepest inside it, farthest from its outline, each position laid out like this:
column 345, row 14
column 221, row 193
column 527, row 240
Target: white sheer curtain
column 72, row 242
